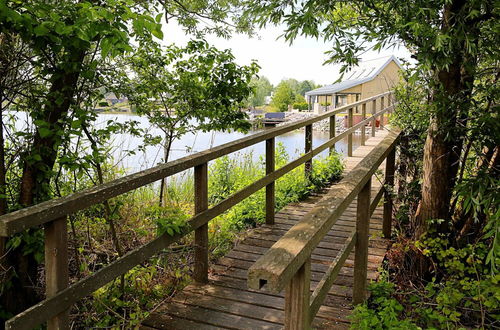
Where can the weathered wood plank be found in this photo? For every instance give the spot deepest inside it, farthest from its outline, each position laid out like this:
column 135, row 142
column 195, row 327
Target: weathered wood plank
column 326, row 282
column 56, row 267
column 361, row 250
column 389, row 181
column 282, row 261
column 211, row 317
column 201, row 234
column 297, row 299
column 270, row 188
column 29, row 217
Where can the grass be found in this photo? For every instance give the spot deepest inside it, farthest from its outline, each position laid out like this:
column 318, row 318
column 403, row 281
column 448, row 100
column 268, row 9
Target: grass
column 139, row 219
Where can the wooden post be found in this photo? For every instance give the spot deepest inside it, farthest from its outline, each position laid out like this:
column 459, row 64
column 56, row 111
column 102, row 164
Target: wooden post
column 389, row 183
column 363, row 128
column 308, row 148
column 374, row 121
column 349, row 136
column 56, row 266
column 201, row 234
column 297, row 299
column 381, row 117
column 332, row 133
column 361, row 247
column 389, row 102
column 270, row 198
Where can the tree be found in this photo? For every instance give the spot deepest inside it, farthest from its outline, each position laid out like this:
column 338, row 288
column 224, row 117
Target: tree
column 449, row 39
column 283, row 96
column 189, row 89
column 262, row 89
column 69, row 44
column 306, row 86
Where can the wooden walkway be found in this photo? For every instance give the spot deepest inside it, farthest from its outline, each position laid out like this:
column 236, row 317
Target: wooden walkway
column 227, row 303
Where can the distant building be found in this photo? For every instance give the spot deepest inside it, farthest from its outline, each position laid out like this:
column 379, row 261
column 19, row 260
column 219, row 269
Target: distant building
column 369, row 78
column 112, row 99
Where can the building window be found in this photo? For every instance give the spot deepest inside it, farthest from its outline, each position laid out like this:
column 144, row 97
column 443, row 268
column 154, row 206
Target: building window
column 341, row 100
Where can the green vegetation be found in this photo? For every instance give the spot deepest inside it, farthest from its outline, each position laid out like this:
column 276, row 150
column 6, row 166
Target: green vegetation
column 444, row 264
column 57, row 60
column 283, row 96
column 291, row 92
column 141, row 219
column 262, row 89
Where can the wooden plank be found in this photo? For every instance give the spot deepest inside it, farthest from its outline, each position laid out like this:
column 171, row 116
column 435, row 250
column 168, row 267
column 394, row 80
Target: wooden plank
column 363, row 130
column 361, row 250
column 326, row 282
column 332, row 132
column 230, row 282
column 271, row 303
column 158, row 321
column 212, row 317
column 307, row 149
column 374, row 121
column 29, row 217
column 270, row 194
column 389, row 182
column 297, row 299
column 52, row 306
column 222, row 304
column 200, row 273
column 280, row 263
column 56, row 267
column 349, row 137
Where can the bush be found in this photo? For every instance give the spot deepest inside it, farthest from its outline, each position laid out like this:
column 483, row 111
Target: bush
column 382, row 311
column 301, row 106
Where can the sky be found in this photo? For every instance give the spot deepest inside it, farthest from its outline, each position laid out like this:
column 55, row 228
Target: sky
column 303, row 60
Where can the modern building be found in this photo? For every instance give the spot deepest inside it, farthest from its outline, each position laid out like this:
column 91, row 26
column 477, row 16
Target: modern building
column 369, row 78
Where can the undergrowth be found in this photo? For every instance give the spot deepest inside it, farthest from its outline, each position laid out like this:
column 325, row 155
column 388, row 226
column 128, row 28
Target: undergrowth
column 139, row 219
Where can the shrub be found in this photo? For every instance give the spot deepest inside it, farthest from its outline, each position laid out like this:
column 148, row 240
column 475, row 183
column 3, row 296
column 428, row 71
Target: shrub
column 301, row 106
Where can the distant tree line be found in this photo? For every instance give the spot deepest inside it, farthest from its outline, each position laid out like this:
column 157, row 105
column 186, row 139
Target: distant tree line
column 287, row 92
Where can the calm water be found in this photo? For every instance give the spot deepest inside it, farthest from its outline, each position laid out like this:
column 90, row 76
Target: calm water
column 191, row 143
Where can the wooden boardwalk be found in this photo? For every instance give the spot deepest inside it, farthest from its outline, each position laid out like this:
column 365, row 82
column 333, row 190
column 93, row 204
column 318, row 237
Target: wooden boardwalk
column 227, row 303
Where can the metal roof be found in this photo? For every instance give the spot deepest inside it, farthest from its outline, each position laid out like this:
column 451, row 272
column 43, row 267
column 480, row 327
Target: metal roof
column 365, row 71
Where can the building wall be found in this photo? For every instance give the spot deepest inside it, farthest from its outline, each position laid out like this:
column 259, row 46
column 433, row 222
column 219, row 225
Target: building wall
column 383, row 82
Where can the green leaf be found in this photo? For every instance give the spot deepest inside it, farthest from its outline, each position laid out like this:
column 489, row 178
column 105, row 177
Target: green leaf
column 41, row 30
column 44, row 132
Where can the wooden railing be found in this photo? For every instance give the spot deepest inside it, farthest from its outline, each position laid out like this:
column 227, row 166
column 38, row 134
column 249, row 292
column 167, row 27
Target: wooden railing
column 287, row 264
column 60, row 296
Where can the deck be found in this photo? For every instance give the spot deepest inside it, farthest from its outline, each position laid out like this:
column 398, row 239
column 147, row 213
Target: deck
column 227, row 303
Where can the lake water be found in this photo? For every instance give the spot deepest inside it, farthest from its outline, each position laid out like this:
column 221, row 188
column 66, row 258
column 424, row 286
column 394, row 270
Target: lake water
column 192, row 143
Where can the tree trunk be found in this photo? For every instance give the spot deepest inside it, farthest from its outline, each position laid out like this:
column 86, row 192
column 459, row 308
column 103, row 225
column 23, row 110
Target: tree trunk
column 35, row 180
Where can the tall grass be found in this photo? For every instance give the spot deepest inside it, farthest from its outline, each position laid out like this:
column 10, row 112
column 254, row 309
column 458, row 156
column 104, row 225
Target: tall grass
column 140, row 219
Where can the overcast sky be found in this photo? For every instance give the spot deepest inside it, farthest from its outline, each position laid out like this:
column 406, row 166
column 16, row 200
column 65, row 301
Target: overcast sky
column 303, row 60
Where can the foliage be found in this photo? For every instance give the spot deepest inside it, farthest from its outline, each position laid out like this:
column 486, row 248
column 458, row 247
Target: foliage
column 262, row 89
column 382, row 311
column 283, row 96
column 183, row 90
column 229, row 175
column 301, row 106
column 58, row 58
column 305, row 86
column 113, row 308
column 170, row 220
column 468, row 292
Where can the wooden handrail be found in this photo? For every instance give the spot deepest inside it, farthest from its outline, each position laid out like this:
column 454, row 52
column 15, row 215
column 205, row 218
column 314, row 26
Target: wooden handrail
column 35, row 215
column 62, row 297
column 282, row 266
column 275, row 269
